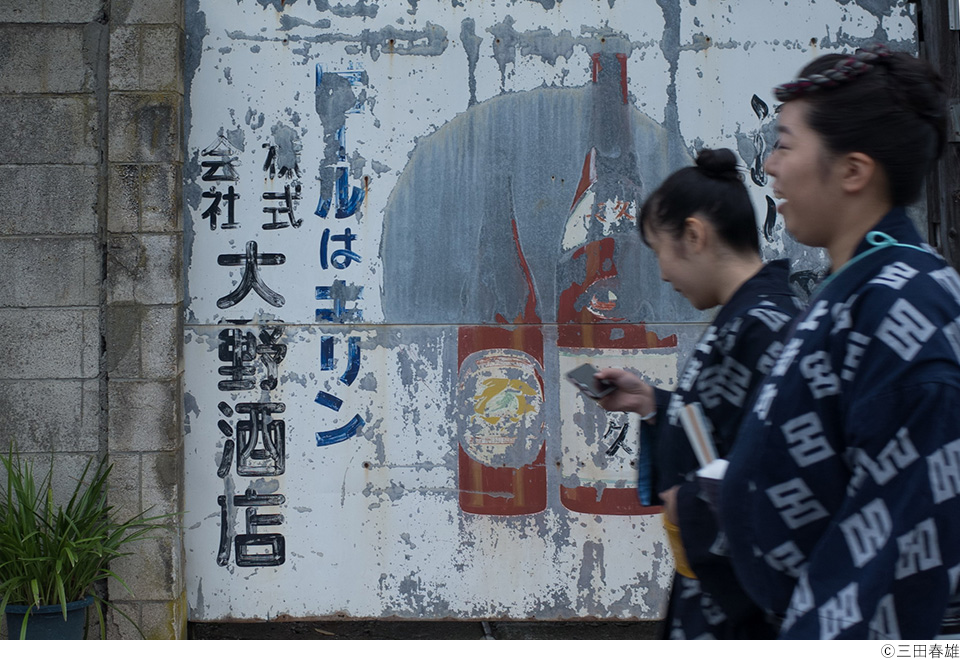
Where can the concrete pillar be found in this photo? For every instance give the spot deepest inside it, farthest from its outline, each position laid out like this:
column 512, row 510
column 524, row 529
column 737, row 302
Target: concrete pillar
column 90, row 265
column 143, row 301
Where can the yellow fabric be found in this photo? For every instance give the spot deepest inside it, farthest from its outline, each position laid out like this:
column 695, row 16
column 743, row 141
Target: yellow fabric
column 676, row 545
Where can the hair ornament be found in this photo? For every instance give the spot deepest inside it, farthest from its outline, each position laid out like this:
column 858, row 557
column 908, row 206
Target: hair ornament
column 846, row 70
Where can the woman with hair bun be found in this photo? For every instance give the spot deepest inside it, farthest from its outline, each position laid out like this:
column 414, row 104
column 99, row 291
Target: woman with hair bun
column 840, row 504
column 700, row 223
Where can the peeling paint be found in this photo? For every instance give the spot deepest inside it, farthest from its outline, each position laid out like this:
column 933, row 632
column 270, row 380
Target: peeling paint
column 429, row 41
column 482, row 165
column 471, row 44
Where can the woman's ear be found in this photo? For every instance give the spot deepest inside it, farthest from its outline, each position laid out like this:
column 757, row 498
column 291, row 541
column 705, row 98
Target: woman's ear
column 695, row 234
column 857, row 171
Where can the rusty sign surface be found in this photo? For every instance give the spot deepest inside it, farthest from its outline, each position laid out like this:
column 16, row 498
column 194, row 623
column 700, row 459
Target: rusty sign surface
column 405, row 221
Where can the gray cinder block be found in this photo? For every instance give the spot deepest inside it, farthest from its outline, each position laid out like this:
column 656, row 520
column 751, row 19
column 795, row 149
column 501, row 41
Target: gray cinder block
column 52, row 11
column 143, row 416
column 47, row 59
column 49, row 272
column 35, row 196
column 50, row 415
column 50, row 343
column 62, row 129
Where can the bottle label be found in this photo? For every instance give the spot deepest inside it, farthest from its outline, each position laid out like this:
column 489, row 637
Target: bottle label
column 600, row 453
column 501, row 407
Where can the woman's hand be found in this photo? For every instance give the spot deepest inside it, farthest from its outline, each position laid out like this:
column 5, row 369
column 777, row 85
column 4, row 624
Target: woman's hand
column 631, row 395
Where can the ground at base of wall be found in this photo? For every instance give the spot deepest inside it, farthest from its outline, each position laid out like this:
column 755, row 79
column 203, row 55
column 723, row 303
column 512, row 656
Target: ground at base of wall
column 428, row 630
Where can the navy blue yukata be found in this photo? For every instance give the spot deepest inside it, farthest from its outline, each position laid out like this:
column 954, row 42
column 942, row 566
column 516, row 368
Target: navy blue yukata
column 735, row 352
column 841, row 500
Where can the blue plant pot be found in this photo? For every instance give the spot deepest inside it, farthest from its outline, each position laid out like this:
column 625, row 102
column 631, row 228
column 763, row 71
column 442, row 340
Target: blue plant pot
column 47, row 622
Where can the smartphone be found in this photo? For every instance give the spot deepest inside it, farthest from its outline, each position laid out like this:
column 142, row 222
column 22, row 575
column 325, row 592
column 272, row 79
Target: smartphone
column 583, row 378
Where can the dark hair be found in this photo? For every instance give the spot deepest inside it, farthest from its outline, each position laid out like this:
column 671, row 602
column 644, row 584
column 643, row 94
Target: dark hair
column 712, row 189
column 890, row 106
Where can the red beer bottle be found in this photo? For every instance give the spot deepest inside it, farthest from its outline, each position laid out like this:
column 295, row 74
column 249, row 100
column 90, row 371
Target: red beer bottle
column 600, row 450
column 502, row 452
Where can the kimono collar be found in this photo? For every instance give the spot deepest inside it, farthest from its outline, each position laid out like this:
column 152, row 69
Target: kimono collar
column 769, row 280
column 894, row 229
column 896, row 224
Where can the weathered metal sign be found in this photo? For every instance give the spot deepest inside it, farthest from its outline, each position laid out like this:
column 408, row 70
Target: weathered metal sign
column 405, row 221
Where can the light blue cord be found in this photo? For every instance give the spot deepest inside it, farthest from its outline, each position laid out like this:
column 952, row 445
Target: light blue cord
column 878, row 240
column 885, row 240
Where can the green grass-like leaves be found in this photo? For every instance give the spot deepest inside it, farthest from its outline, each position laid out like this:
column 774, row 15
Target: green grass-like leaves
column 53, row 555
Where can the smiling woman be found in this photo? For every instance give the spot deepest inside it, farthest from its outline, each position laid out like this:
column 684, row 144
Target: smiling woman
column 840, row 503
column 808, row 180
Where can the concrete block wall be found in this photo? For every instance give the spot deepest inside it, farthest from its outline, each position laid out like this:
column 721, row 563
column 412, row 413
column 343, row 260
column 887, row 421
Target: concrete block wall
column 91, row 288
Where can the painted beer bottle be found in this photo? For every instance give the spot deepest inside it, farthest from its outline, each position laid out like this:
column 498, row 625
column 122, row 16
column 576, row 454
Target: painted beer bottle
column 502, row 452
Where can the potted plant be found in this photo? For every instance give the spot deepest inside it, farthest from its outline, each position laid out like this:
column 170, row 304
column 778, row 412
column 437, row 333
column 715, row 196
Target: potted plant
column 51, row 556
